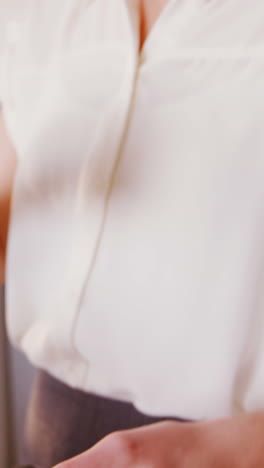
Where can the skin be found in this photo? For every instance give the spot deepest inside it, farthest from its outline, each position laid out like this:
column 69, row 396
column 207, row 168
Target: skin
column 150, row 10
column 235, row 442
column 231, row 443
column 7, row 172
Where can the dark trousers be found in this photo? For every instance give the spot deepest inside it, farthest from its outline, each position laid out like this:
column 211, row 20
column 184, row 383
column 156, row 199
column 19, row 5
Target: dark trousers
column 63, row 422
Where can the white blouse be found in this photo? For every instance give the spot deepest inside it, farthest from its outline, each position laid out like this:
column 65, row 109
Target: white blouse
column 136, row 250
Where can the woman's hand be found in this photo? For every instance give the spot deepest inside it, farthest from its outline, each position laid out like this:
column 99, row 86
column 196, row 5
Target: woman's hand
column 231, row 443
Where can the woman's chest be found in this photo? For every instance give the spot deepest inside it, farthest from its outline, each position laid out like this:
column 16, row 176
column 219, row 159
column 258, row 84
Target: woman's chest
column 150, row 11
column 69, row 74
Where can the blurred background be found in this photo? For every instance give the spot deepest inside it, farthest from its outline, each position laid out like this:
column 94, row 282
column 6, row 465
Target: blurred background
column 16, row 376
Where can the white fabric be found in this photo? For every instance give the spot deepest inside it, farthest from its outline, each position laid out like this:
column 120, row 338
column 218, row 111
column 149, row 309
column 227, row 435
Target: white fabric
column 2, row 43
column 136, row 253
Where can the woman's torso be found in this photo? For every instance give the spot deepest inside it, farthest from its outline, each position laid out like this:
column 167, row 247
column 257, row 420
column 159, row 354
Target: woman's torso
column 138, row 201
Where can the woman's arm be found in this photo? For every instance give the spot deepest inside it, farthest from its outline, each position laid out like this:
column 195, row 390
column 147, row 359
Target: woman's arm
column 7, row 170
column 229, row 443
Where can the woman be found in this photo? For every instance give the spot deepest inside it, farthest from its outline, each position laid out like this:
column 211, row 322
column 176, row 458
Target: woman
column 135, row 246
